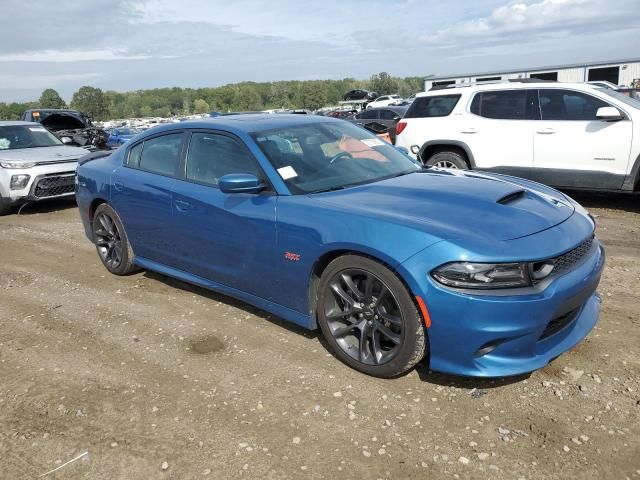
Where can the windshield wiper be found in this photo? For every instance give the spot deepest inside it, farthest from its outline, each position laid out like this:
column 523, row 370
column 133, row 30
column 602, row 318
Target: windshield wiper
column 330, row 189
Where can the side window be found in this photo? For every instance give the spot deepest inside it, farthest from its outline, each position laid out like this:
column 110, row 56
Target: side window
column 434, row 106
column 367, row 115
column 134, row 156
column 569, row 105
column 506, row 104
column 161, row 154
column 211, row 156
column 388, row 114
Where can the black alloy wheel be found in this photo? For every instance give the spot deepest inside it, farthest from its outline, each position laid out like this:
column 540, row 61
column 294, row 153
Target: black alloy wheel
column 108, row 241
column 368, row 317
column 363, row 316
column 111, row 241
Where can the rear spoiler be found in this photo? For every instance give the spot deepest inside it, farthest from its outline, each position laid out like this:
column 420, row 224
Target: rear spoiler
column 94, row 156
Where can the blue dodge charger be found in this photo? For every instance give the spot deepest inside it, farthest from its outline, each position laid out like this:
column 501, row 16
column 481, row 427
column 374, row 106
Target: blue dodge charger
column 323, row 224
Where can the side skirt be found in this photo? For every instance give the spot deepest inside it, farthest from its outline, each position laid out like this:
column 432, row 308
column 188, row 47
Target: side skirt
column 277, row 309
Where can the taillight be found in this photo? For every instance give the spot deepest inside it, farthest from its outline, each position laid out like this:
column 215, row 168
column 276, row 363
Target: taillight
column 400, row 127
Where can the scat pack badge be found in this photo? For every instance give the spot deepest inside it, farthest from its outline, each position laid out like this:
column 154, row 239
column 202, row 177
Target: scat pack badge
column 292, row 257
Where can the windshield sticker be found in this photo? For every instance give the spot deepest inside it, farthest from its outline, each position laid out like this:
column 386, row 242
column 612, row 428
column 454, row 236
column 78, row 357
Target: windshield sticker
column 4, row 143
column 372, row 142
column 37, row 129
column 287, row 172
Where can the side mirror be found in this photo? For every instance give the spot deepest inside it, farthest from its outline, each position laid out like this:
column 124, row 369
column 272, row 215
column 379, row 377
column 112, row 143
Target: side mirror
column 240, row 183
column 608, row 113
column 66, row 140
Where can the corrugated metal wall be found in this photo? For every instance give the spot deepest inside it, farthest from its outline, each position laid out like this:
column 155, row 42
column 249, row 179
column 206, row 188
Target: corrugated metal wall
column 628, row 73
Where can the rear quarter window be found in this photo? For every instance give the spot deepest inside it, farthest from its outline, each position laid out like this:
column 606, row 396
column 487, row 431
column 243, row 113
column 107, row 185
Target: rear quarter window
column 434, row 106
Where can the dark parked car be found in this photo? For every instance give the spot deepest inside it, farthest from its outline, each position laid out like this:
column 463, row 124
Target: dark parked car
column 387, row 117
column 360, row 94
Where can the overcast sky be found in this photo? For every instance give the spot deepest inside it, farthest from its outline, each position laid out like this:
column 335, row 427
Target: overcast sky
column 133, row 44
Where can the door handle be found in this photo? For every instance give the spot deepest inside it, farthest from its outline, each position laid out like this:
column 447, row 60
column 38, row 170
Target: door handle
column 118, row 187
column 546, row 131
column 183, row 206
column 469, row 130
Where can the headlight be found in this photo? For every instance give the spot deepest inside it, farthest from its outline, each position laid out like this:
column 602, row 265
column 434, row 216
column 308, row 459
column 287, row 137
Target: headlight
column 9, row 164
column 483, row 275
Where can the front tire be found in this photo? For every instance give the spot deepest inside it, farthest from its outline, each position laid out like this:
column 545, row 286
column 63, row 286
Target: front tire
column 5, row 207
column 448, row 159
column 368, row 317
column 111, row 241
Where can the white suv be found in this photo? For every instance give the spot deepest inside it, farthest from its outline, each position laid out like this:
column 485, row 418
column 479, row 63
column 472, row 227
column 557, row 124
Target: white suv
column 571, row 135
column 34, row 165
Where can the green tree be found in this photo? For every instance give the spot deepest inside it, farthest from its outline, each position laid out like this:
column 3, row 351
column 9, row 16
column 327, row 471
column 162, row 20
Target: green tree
column 91, row 101
column 313, row 96
column 383, row 83
column 51, row 99
column 200, row 106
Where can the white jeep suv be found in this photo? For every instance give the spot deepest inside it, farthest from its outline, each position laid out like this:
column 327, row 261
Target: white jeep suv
column 34, row 165
column 570, row 135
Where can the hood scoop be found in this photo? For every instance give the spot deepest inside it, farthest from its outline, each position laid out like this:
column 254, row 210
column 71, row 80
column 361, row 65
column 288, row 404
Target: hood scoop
column 512, row 197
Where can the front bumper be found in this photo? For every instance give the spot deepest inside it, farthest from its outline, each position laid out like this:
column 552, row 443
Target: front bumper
column 46, row 182
column 481, row 335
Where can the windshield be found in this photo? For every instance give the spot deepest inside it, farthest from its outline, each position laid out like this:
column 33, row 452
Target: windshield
column 15, row 137
column 632, row 102
column 330, row 156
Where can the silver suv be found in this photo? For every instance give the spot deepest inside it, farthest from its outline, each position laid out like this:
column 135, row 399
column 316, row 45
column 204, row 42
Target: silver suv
column 34, row 165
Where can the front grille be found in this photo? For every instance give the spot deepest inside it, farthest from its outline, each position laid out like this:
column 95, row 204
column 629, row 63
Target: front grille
column 566, row 261
column 54, row 186
column 559, row 323
column 563, row 263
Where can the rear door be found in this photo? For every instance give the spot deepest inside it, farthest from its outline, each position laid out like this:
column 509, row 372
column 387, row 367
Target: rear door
column 141, row 194
column 575, row 149
column 499, row 130
column 227, row 238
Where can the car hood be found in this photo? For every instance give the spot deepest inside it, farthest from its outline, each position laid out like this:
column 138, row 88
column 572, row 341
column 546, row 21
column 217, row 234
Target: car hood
column 457, row 204
column 56, row 154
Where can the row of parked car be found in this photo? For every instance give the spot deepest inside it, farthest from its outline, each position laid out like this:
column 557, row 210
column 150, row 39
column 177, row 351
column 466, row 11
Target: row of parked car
column 324, row 224
column 561, row 134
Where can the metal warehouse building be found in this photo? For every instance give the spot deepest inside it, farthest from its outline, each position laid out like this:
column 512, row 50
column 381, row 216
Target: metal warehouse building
column 619, row 72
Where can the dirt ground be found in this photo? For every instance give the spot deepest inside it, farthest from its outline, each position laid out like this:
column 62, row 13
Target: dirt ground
column 154, row 378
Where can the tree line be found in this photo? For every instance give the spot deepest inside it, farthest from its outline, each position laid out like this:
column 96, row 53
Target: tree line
column 244, row 96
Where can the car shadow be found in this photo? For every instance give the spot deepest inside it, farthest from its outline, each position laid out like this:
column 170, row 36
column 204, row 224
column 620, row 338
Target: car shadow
column 629, row 202
column 227, row 300
column 34, row 208
column 473, row 384
column 476, row 386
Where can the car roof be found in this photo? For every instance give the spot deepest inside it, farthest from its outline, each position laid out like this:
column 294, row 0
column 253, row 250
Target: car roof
column 15, row 123
column 505, row 85
column 247, row 123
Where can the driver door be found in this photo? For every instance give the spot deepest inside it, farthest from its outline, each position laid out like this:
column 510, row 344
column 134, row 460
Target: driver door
column 228, row 238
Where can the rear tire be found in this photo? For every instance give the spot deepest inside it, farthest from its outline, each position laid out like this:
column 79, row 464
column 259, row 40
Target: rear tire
column 448, row 159
column 111, row 241
column 368, row 317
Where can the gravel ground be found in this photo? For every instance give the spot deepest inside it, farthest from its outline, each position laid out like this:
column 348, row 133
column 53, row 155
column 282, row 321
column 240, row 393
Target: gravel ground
column 154, row 378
